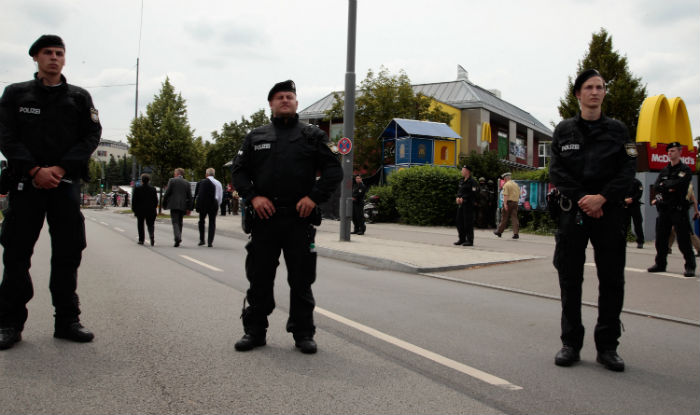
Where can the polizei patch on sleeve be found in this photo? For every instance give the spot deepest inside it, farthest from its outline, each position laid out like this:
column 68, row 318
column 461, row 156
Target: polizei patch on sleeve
column 571, row 147
column 631, row 149
column 263, row 146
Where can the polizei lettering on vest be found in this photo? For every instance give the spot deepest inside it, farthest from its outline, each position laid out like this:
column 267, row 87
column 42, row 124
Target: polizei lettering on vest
column 568, row 147
column 35, row 111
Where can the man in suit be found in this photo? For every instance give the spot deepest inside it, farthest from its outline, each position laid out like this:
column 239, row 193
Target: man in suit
column 178, row 198
column 144, row 202
column 208, row 196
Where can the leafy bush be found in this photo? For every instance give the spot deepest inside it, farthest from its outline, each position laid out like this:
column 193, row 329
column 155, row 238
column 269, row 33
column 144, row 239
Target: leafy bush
column 387, row 203
column 425, row 195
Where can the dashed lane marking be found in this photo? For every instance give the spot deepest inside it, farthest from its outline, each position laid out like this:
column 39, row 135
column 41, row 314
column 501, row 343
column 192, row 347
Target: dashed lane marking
column 205, row 265
column 119, row 229
column 442, row 360
column 665, row 274
column 105, row 223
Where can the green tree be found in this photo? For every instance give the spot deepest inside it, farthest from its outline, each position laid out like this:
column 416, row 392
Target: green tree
column 112, row 173
column 625, row 92
column 487, row 165
column 162, row 139
column 381, row 98
column 227, row 143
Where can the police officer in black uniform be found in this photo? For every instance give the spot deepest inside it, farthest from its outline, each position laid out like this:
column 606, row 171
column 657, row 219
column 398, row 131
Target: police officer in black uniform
column 276, row 171
column 593, row 163
column 633, row 203
column 671, row 188
column 466, row 200
column 48, row 130
column 358, row 204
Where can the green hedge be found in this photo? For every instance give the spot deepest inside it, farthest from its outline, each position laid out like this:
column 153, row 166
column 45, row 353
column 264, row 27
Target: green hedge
column 387, row 203
column 426, row 195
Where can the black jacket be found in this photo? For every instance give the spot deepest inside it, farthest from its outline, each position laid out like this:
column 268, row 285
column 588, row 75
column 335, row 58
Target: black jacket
column 144, row 201
column 48, row 126
column 635, row 192
column 281, row 160
column 358, row 192
column 592, row 158
column 672, row 184
column 205, row 196
column 468, row 190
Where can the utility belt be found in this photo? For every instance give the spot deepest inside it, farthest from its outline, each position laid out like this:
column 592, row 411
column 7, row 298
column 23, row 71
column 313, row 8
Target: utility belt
column 9, row 182
column 250, row 216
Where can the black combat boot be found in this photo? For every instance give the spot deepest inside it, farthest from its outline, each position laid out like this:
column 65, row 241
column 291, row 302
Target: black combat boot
column 249, row 342
column 567, row 356
column 8, row 337
column 305, row 344
column 611, row 360
column 73, row 332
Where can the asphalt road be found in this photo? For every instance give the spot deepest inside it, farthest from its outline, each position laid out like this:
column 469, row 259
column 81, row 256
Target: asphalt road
column 166, row 319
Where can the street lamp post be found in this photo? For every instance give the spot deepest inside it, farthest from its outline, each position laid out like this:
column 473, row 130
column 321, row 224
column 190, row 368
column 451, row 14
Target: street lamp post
column 348, row 125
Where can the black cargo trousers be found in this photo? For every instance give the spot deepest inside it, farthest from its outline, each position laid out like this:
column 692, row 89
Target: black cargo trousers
column 287, row 233
column 23, row 221
column 608, row 237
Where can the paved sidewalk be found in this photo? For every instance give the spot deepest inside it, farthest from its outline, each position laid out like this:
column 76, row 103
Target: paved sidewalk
column 390, row 254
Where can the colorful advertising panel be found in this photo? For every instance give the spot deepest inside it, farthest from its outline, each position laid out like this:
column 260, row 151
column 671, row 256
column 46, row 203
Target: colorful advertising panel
column 533, row 194
column 414, row 151
column 445, row 151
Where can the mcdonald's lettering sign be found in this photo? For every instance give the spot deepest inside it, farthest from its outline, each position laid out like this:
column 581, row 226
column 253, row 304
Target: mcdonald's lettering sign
column 663, row 121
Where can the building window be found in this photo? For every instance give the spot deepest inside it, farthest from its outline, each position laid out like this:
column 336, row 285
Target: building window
column 544, row 153
column 101, row 153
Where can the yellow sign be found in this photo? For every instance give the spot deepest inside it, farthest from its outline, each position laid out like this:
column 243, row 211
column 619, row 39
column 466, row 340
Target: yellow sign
column 445, row 153
column 663, row 121
column 486, row 132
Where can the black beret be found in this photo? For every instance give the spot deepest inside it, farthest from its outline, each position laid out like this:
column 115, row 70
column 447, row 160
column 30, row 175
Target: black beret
column 286, row 86
column 583, row 77
column 467, row 167
column 672, row 145
column 45, row 41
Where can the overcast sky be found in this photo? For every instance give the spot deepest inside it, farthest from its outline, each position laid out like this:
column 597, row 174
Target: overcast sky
column 223, row 56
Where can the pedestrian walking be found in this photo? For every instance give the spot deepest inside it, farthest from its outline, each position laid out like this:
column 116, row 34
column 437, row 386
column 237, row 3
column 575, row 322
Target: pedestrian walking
column 511, row 196
column 466, row 201
column 48, row 131
column 358, row 204
column 593, row 163
column 276, row 172
column 208, row 196
column 144, row 204
column 671, row 189
column 633, row 203
column 178, row 198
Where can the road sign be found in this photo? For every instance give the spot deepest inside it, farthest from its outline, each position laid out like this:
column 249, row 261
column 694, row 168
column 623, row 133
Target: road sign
column 344, row 146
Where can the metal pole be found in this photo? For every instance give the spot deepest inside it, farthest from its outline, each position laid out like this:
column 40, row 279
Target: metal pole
column 136, row 114
column 348, row 125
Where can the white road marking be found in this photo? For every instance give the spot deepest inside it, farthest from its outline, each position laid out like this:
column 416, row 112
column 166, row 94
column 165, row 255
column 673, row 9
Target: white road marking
column 119, row 229
column 665, row 274
column 105, row 223
column 460, row 367
column 205, row 265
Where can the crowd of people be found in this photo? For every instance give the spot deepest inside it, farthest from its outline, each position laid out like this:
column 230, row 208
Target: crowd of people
column 598, row 198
